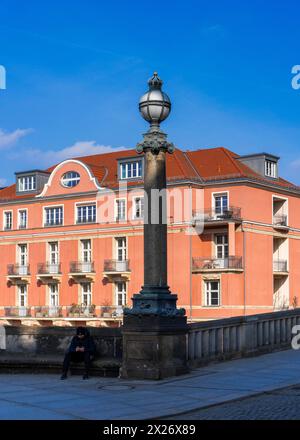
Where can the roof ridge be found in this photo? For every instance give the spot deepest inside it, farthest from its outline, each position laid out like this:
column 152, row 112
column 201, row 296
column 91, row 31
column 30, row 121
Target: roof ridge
column 178, row 161
column 186, row 155
column 226, row 151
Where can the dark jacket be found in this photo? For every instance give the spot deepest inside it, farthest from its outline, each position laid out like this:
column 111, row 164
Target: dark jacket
column 87, row 342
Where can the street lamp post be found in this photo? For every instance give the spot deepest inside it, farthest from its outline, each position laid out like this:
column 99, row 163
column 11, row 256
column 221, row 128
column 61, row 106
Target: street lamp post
column 154, row 330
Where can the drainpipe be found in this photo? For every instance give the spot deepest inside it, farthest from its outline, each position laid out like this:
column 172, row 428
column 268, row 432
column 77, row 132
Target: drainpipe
column 244, row 258
column 191, row 280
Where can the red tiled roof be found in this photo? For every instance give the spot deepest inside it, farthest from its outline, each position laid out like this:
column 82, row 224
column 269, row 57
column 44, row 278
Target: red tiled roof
column 200, row 165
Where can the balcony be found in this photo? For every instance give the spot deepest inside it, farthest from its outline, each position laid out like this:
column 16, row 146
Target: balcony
column 47, row 312
column 81, row 311
column 113, row 268
column 49, row 268
column 218, row 216
column 18, row 272
column 280, row 267
column 207, row 264
column 17, row 312
column 280, row 221
column 48, row 271
column 82, row 271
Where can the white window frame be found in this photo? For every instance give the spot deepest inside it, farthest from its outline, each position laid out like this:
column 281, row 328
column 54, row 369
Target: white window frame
column 4, row 220
column 53, row 262
column 19, row 218
column 120, row 293
column 208, row 300
column 222, row 245
column 123, row 199
column 23, row 294
column 88, row 293
column 70, row 179
column 121, row 250
column 271, row 168
column 23, row 254
column 81, row 205
column 27, row 183
column 45, row 215
column 213, row 200
column 53, row 295
column 129, row 166
column 86, row 253
column 142, row 208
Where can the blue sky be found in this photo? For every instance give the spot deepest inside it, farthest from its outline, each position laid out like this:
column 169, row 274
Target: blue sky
column 76, row 69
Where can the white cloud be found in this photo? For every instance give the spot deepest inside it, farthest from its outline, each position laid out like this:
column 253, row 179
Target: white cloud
column 44, row 158
column 8, row 139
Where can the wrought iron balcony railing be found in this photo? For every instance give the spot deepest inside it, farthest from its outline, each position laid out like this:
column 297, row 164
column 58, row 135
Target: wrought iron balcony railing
column 116, row 266
column 218, row 214
column 280, row 266
column 18, row 269
column 17, row 312
column 203, row 263
column 280, row 220
column 47, row 312
column 48, row 268
column 82, row 267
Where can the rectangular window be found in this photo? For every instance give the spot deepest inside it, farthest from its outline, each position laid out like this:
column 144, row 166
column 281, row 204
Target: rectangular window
column 212, row 293
column 131, row 169
column 221, row 246
column 86, row 251
column 121, row 249
column 23, row 219
column 23, row 255
column 221, row 203
column 138, row 208
column 8, row 220
column 121, row 294
column 53, row 295
column 22, row 295
column 27, row 183
column 53, row 253
column 54, row 216
column 86, row 294
column 86, row 213
column 120, row 209
column 270, row 168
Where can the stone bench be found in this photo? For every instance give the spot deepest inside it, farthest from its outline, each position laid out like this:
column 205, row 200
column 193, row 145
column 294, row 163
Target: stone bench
column 16, row 363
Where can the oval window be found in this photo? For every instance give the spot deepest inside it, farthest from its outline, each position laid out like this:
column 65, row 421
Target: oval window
column 70, row 179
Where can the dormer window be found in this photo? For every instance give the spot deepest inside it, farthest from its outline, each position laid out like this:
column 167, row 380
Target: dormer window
column 30, row 182
column 131, row 169
column 270, row 168
column 27, row 183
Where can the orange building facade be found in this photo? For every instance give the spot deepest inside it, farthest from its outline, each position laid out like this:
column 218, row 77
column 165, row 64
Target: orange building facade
column 71, row 238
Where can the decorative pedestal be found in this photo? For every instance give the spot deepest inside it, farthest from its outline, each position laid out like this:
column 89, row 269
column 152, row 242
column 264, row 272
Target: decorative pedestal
column 154, row 346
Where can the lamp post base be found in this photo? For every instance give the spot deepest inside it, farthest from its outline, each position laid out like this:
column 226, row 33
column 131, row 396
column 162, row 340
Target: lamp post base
column 154, row 346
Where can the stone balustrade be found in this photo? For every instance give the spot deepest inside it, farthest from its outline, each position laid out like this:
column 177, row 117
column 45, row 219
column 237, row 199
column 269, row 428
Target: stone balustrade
column 209, row 341
column 240, row 336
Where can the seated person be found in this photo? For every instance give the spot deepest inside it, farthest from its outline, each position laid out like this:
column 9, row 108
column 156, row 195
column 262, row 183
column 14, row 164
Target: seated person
column 81, row 349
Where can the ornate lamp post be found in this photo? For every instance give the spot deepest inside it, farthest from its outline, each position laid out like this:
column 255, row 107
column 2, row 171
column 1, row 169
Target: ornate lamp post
column 154, row 342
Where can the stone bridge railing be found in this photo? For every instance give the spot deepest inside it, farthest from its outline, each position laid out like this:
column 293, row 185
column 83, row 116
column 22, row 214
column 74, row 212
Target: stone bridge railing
column 240, row 336
column 209, row 341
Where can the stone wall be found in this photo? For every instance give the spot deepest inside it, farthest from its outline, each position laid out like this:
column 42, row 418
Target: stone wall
column 55, row 340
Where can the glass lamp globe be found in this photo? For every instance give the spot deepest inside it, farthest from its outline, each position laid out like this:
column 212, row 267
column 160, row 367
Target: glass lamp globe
column 155, row 105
